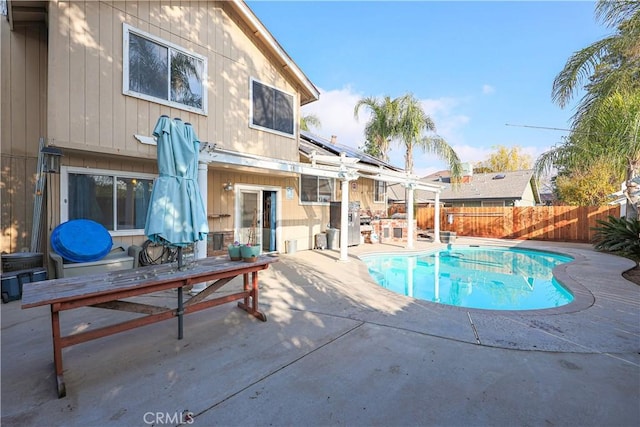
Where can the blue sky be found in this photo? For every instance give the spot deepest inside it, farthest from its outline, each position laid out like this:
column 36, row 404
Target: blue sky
column 476, row 66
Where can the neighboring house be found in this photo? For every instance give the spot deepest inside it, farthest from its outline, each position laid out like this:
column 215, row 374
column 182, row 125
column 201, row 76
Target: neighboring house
column 517, row 188
column 92, row 78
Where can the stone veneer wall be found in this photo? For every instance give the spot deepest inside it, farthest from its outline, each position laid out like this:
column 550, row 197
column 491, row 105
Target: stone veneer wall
column 393, row 230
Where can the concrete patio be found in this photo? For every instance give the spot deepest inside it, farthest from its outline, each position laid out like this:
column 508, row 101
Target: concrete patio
column 340, row 350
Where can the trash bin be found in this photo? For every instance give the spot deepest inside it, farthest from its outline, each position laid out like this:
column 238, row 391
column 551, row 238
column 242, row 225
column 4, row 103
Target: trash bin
column 21, row 261
column 333, row 238
column 321, row 241
column 447, row 236
column 12, row 282
column 292, row 246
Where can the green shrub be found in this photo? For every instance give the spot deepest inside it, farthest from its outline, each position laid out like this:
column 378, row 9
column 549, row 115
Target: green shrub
column 619, row 235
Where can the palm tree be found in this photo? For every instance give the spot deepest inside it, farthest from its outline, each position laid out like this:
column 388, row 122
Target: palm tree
column 403, row 120
column 380, row 128
column 416, row 129
column 607, row 121
column 608, row 65
column 309, row 120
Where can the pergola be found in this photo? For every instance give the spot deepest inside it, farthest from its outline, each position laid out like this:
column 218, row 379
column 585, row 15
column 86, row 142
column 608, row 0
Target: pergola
column 342, row 168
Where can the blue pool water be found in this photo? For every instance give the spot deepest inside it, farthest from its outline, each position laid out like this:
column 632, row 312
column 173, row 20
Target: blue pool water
column 475, row 277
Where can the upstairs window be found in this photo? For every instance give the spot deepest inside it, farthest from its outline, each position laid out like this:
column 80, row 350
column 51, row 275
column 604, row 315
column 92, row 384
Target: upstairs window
column 272, row 109
column 379, row 191
column 159, row 71
column 315, row 189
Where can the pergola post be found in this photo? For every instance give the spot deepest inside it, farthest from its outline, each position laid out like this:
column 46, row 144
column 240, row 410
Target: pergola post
column 436, row 220
column 410, row 230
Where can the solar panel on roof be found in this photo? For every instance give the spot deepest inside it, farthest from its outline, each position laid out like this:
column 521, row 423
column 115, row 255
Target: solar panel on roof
column 350, row 152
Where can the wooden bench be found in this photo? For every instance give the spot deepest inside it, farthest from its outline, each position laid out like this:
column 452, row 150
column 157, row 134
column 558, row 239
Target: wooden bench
column 107, row 290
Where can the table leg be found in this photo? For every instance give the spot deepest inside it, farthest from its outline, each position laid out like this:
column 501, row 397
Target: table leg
column 253, row 307
column 245, row 284
column 57, row 350
column 180, row 314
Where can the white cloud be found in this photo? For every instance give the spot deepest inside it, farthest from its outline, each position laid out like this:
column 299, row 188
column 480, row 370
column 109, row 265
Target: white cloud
column 335, row 111
column 488, row 89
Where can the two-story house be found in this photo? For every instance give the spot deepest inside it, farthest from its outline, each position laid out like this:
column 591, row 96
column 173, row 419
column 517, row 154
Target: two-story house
column 90, row 79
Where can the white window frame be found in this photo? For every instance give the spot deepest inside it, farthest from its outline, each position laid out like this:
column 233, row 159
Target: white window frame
column 376, row 192
column 333, row 190
column 266, row 129
column 126, row 30
column 64, row 193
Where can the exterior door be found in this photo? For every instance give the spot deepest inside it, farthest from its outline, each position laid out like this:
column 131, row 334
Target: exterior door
column 249, row 214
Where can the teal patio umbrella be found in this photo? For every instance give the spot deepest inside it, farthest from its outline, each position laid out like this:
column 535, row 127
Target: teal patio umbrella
column 176, row 216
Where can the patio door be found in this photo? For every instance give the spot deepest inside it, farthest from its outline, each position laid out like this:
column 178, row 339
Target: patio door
column 257, row 215
column 249, row 216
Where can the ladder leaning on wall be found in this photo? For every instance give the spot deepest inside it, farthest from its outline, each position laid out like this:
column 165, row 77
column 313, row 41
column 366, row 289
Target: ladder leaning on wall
column 41, row 178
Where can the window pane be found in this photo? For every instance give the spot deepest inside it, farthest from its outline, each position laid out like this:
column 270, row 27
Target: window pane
column 91, row 197
column 148, row 67
column 283, row 112
column 186, row 79
column 133, row 202
column 379, row 190
column 308, row 188
column 263, row 100
column 325, row 189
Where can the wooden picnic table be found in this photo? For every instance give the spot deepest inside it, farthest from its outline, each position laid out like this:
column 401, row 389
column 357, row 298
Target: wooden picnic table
column 107, row 290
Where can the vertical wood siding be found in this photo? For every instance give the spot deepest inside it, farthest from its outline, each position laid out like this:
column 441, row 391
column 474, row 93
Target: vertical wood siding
column 23, row 71
column 86, row 104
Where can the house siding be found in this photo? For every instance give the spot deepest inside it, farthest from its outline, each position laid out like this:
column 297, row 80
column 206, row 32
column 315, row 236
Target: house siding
column 88, row 109
column 64, row 83
column 23, row 71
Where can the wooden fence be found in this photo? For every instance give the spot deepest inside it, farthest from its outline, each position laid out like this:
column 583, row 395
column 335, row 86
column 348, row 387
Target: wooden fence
column 553, row 223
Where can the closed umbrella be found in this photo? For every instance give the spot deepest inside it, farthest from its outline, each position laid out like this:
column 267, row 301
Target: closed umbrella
column 176, row 215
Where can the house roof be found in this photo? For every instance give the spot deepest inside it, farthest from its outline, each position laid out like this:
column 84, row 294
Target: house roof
column 310, row 142
column 480, row 186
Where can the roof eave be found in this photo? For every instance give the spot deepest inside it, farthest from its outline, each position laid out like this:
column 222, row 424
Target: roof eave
column 308, row 92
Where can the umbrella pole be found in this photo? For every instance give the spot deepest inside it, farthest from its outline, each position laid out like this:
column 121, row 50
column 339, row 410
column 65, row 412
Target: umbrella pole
column 180, row 302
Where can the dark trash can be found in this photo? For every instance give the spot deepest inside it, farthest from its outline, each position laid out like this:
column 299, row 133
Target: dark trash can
column 21, row 261
column 12, row 282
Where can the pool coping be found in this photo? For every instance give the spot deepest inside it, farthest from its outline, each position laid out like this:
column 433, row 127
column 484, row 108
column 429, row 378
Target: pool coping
column 605, row 305
column 582, row 297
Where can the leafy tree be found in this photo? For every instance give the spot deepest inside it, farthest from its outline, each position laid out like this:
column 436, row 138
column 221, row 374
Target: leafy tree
column 586, row 187
column 309, row 120
column 506, row 159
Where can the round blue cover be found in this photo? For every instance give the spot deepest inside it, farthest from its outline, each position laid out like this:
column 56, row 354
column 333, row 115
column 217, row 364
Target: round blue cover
column 81, row 240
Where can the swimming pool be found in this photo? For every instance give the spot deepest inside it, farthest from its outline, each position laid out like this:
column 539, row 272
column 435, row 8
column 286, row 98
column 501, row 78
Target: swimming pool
column 475, row 277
